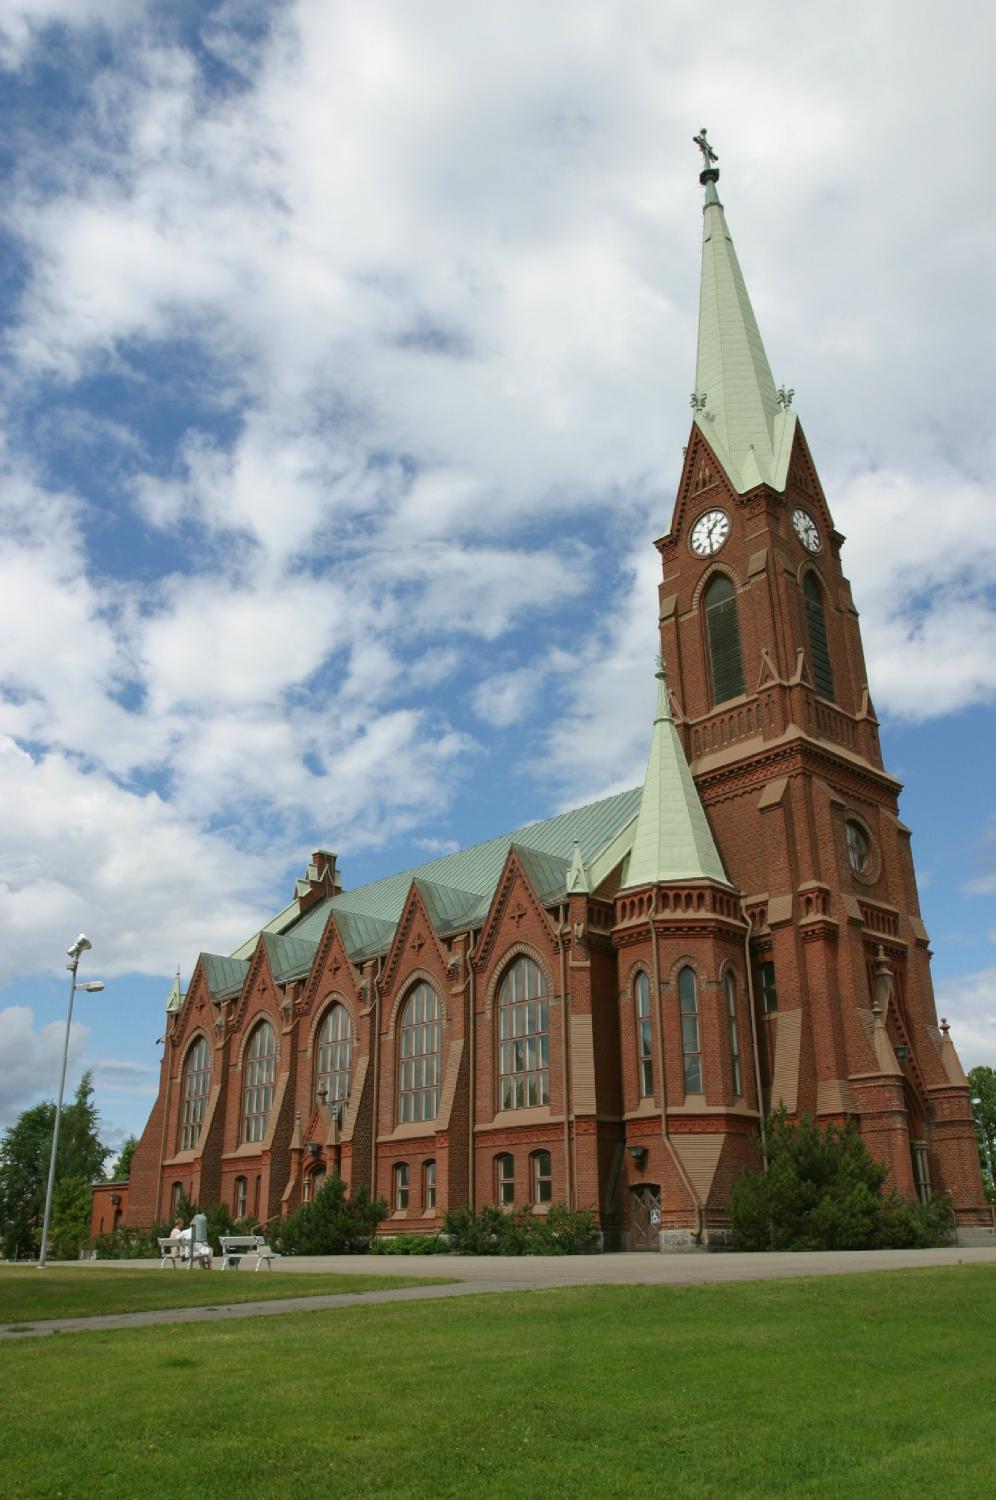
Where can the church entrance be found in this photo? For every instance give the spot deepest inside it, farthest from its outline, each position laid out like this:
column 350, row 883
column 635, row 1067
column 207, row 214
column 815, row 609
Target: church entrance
column 645, row 1217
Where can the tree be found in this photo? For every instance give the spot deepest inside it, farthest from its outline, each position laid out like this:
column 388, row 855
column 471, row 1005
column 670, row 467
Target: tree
column 982, row 1082
column 122, row 1166
column 24, row 1156
column 822, row 1190
column 332, row 1224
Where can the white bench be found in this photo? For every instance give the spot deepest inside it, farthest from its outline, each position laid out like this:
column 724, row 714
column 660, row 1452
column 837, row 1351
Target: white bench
column 235, row 1246
column 173, row 1252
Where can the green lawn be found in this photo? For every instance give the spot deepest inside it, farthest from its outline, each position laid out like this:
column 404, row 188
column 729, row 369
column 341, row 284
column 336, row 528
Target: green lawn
column 859, row 1387
column 28, row 1294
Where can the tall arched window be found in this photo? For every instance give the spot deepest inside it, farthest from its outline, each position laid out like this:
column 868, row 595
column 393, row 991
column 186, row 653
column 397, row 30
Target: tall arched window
column 524, row 1059
column 419, row 1069
column 731, row 1009
column 334, row 1056
column 240, row 1200
column 644, row 1036
column 688, row 998
column 723, row 628
column 196, row 1082
column 541, row 1172
column 259, row 1082
column 819, row 646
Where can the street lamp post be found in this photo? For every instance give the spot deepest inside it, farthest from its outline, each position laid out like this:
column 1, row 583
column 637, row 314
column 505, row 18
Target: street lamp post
column 80, row 946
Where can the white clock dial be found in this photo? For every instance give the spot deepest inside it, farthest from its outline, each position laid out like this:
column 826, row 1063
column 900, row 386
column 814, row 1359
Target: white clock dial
column 806, row 529
column 710, row 532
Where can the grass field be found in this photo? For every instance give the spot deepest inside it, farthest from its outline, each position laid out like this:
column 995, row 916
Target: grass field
column 872, row 1386
column 27, row 1294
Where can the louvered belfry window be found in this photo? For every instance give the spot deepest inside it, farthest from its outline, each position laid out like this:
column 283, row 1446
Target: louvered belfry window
column 819, row 646
column 725, row 656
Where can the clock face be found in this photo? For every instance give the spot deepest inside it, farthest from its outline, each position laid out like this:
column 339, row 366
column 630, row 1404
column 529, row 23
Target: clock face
column 806, row 529
column 710, row 532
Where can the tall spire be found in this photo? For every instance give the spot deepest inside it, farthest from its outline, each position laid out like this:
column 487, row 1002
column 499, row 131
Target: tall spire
column 673, row 840
column 747, row 423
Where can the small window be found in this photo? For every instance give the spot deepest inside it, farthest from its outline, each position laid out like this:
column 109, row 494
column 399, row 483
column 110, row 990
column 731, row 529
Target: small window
column 401, row 1188
column 542, row 1177
column 429, row 1187
column 176, row 1193
column 644, row 1036
column 723, row 630
column 819, row 646
column 858, row 847
column 731, row 1006
column 769, row 994
column 240, row 1202
column 921, row 1171
column 690, row 1044
column 505, row 1180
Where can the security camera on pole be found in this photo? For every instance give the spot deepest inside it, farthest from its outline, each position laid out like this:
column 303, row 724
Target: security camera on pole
column 80, row 946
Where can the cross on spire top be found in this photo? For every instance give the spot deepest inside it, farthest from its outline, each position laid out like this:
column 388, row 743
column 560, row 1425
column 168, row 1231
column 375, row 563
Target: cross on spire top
column 709, row 173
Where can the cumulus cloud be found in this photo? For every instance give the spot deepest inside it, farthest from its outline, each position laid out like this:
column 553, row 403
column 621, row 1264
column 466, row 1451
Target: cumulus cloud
column 30, row 1057
column 969, row 1003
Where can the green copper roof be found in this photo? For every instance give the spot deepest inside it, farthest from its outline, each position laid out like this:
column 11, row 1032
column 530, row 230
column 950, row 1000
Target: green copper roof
column 742, row 420
column 368, row 915
column 673, row 839
column 225, row 976
column 290, row 957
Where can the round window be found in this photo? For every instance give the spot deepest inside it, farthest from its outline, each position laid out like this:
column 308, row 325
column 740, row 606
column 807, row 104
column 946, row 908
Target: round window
column 858, row 848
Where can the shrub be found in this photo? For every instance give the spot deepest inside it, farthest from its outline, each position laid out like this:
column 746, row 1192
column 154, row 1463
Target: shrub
column 332, row 1224
column 494, row 1231
column 412, row 1244
column 822, row 1190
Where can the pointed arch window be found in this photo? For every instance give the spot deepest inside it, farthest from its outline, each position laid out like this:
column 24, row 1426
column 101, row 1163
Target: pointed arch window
column 420, row 1044
column 723, row 629
column 691, row 1046
column 524, row 1058
column 334, row 1056
column 644, row 1036
column 505, row 1179
column 819, row 645
column 260, row 1078
column 196, row 1083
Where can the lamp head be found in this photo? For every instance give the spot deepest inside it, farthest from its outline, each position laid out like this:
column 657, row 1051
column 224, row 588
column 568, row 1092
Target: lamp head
column 81, row 945
column 976, row 1101
column 93, row 985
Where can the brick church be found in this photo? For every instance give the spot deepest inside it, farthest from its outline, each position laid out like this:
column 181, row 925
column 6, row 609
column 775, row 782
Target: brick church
column 597, row 1009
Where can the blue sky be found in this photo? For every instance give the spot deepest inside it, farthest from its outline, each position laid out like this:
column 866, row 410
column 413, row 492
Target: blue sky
column 345, row 367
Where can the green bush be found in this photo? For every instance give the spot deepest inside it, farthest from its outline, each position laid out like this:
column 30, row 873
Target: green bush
column 412, row 1244
column 822, row 1190
column 332, row 1224
column 494, row 1231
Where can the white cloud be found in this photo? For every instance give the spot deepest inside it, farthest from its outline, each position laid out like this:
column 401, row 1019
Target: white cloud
column 508, row 697
column 30, row 1059
column 969, row 1003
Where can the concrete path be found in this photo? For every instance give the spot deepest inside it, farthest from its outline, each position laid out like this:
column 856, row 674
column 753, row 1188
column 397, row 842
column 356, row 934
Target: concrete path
column 507, row 1273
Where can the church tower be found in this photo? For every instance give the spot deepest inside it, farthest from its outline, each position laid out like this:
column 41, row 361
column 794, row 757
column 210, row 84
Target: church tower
column 770, row 699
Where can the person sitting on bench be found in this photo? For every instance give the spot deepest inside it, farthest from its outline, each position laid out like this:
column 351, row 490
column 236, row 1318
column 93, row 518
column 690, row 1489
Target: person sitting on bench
column 183, row 1238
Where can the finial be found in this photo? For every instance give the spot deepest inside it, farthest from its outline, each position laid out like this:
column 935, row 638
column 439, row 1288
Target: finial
column 661, row 668
column 698, row 400
column 784, row 397
column 709, row 173
column 945, row 1025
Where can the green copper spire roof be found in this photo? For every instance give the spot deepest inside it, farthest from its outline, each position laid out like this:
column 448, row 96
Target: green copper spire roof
column 673, row 840
column 746, row 422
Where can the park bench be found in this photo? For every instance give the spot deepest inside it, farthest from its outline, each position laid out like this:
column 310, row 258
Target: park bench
column 235, row 1246
column 174, row 1252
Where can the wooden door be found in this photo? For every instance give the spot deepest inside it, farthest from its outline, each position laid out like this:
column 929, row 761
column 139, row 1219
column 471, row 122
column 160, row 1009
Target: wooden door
column 645, row 1217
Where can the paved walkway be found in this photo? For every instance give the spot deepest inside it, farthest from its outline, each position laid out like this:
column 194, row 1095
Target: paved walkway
column 506, row 1273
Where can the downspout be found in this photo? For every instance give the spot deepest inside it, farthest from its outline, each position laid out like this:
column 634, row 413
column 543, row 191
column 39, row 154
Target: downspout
column 468, row 985
column 753, row 1027
column 569, row 1162
column 375, row 1131
column 665, row 1133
